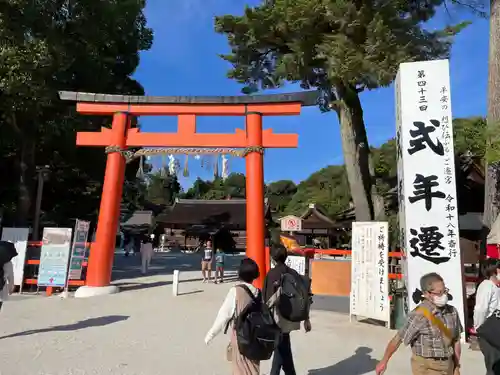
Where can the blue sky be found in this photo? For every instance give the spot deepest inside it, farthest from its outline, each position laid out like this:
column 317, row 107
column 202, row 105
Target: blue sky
column 184, row 61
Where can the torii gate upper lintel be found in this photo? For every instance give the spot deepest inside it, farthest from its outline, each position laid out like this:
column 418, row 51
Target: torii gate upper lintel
column 253, row 137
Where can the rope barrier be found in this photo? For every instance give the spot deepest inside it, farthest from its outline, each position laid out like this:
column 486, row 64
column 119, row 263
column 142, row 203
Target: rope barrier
column 131, row 155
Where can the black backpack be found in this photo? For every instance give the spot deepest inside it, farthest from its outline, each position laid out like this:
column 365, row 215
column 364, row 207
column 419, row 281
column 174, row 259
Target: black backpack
column 294, row 301
column 257, row 333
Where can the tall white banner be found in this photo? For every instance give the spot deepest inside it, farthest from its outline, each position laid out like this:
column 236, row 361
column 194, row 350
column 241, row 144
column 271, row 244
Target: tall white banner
column 369, row 273
column 426, row 172
column 19, row 236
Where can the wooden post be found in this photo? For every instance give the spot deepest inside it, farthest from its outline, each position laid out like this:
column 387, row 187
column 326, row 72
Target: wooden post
column 103, row 249
column 255, row 196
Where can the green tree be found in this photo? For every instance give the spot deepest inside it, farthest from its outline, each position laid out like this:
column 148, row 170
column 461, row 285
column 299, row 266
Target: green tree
column 162, row 190
column 235, row 185
column 48, row 46
column 328, row 187
column 199, row 189
column 279, row 194
column 341, row 48
column 217, row 190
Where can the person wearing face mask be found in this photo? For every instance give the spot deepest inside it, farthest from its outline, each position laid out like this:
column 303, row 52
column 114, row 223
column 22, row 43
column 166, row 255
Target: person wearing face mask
column 487, row 300
column 432, row 331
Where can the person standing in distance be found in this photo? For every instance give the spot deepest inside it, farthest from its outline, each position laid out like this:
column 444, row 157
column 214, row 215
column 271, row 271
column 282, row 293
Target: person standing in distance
column 146, row 254
column 206, row 262
column 432, row 331
column 283, row 356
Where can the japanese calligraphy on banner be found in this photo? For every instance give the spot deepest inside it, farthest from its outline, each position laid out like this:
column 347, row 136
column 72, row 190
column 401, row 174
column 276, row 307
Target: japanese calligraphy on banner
column 295, row 262
column 369, row 271
column 426, row 178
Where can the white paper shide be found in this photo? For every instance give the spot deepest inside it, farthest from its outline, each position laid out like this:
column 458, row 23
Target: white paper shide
column 426, row 172
column 369, row 273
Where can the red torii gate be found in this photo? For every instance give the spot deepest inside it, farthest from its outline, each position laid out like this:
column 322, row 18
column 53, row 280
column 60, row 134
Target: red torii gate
column 120, row 136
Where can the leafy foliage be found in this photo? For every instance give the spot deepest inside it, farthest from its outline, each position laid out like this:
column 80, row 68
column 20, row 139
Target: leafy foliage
column 341, row 48
column 320, row 44
column 47, row 46
column 279, row 195
column 162, row 190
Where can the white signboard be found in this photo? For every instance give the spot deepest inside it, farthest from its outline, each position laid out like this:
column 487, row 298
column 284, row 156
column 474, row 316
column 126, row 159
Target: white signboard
column 54, row 257
column 18, row 236
column 369, row 271
column 291, row 223
column 298, row 263
column 426, row 173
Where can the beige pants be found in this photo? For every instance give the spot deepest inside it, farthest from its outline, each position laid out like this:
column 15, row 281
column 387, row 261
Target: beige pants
column 428, row 366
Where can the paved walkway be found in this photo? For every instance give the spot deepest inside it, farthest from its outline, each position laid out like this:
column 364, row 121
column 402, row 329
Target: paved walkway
column 146, row 331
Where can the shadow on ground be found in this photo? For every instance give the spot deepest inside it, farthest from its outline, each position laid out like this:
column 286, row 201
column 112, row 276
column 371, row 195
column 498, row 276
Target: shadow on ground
column 164, row 264
column 82, row 324
column 130, row 286
column 361, row 362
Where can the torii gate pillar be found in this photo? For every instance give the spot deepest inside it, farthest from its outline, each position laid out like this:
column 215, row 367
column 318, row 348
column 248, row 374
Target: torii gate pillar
column 253, row 139
column 255, row 220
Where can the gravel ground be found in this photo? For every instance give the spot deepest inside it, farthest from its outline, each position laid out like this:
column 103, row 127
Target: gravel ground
column 146, row 331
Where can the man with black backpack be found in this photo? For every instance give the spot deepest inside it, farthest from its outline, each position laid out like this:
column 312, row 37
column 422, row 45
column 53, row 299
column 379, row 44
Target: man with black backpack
column 288, row 294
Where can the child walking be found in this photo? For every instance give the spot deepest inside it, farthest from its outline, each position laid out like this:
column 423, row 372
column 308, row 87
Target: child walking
column 219, row 266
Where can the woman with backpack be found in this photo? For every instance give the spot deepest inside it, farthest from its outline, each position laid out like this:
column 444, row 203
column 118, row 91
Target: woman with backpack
column 7, row 252
column 232, row 315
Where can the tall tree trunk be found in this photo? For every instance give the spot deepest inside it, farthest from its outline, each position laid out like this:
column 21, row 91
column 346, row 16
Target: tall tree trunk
column 26, row 168
column 356, row 152
column 492, row 188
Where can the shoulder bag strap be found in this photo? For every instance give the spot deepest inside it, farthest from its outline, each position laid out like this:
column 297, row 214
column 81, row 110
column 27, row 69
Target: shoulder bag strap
column 435, row 322
column 246, row 289
column 249, row 292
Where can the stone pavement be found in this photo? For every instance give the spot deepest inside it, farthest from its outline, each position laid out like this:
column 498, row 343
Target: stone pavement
column 146, row 331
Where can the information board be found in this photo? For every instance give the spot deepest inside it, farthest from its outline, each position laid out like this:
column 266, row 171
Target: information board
column 78, row 249
column 297, row 263
column 54, row 258
column 369, row 296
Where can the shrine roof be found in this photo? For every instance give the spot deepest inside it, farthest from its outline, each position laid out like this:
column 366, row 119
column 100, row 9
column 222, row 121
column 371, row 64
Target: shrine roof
column 137, row 219
column 306, row 98
column 207, row 212
column 315, row 218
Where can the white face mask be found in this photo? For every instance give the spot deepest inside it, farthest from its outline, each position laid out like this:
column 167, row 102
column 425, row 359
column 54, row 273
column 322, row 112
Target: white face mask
column 440, row 301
